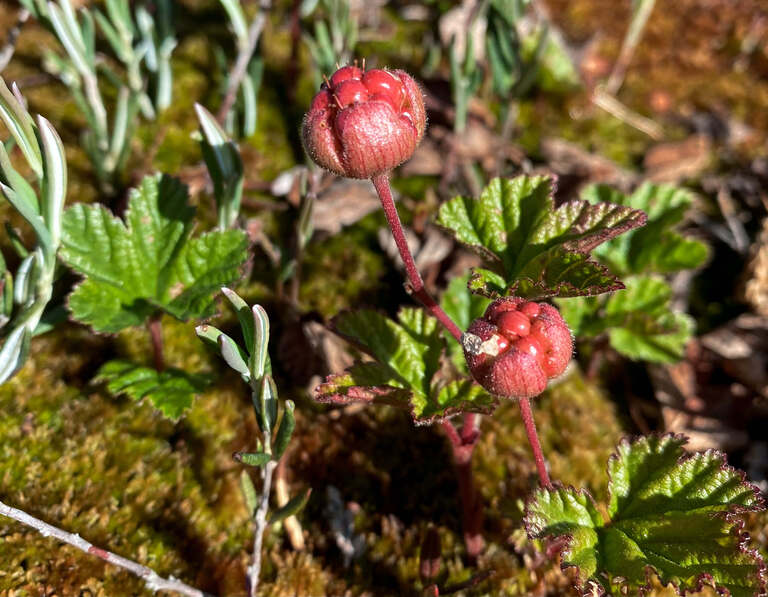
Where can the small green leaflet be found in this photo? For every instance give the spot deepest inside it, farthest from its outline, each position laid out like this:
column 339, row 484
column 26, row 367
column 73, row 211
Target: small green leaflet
column 408, row 370
column 170, row 391
column 638, row 320
column 149, row 262
column 657, row 247
column 669, row 512
column 534, row 249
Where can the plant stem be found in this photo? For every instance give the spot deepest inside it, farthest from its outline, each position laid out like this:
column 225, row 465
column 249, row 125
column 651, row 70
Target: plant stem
column 381, row 182
column 243, row 59
column 463, row 447
column 631, row 39
column 533, row 439
column 155, row 327
column 153, row 581
column 6, row 52
column 260, row 519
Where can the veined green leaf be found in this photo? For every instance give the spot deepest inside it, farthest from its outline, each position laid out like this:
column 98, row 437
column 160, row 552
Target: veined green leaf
column 673, row 513
column 407, row 371
column 170, row 391
column 535, row 248
column 657, row 247
column 148, row 262
column 638, row 320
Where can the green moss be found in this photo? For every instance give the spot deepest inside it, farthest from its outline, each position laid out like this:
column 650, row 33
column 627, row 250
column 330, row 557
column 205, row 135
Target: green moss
column 115, row 472
column 339, row 269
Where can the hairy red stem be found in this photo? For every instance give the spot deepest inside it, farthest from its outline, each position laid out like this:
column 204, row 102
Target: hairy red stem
column 381, row 182
column 533, row 439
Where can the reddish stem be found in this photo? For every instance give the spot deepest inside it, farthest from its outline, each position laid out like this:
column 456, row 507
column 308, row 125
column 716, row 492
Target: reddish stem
column 462, row 443
column 155, row 328
column 533, row 439
column 381, row 182
column 463, row 446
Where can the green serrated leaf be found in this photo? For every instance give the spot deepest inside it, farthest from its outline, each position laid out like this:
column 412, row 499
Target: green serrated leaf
column 407, row 369
column 657, row 247
column 638, row 320
column 149, row 262
column 530, row 243
column 673, row 513
column 562, row 511
column 170, row 391
column 293, row 507
column 564, row 273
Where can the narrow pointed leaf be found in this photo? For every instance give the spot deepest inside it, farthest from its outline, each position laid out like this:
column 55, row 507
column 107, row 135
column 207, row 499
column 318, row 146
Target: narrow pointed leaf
column 14, row 352
column 257, row 459
column 259, row 363
column 233, row 355
column 249, row 493
column 21, row 126
column 209, row 334
column 293, row 507
column 285, row 430
column 244, row 316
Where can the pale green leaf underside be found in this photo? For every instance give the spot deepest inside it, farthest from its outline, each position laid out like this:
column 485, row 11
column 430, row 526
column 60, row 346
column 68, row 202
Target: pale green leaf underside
column 669, row 512
column 406, row 371
column 638, row 320
column 170, row 391
column 536, row 249
column 148, row 262
column 657, row 247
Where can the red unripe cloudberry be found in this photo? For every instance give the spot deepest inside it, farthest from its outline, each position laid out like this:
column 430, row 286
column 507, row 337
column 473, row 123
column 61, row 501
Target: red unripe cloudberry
column 364, row 123
column 517, row 346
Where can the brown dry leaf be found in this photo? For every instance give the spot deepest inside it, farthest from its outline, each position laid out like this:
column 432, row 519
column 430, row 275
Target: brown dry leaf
column 756, row 288
column 330, row 347
column 680, row 160
column 569, row 159
column 428, row 160
column 742, row 346
column 342, row 204
column 684, row 411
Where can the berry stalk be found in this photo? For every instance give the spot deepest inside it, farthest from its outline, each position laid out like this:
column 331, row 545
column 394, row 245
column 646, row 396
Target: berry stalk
column 533, row 438
column 381, row 182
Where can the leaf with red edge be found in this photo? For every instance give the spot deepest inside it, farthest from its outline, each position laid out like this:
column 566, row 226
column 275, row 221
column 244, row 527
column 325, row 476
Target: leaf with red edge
column 408, row 370
column 670, row 513
column 535, row 249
